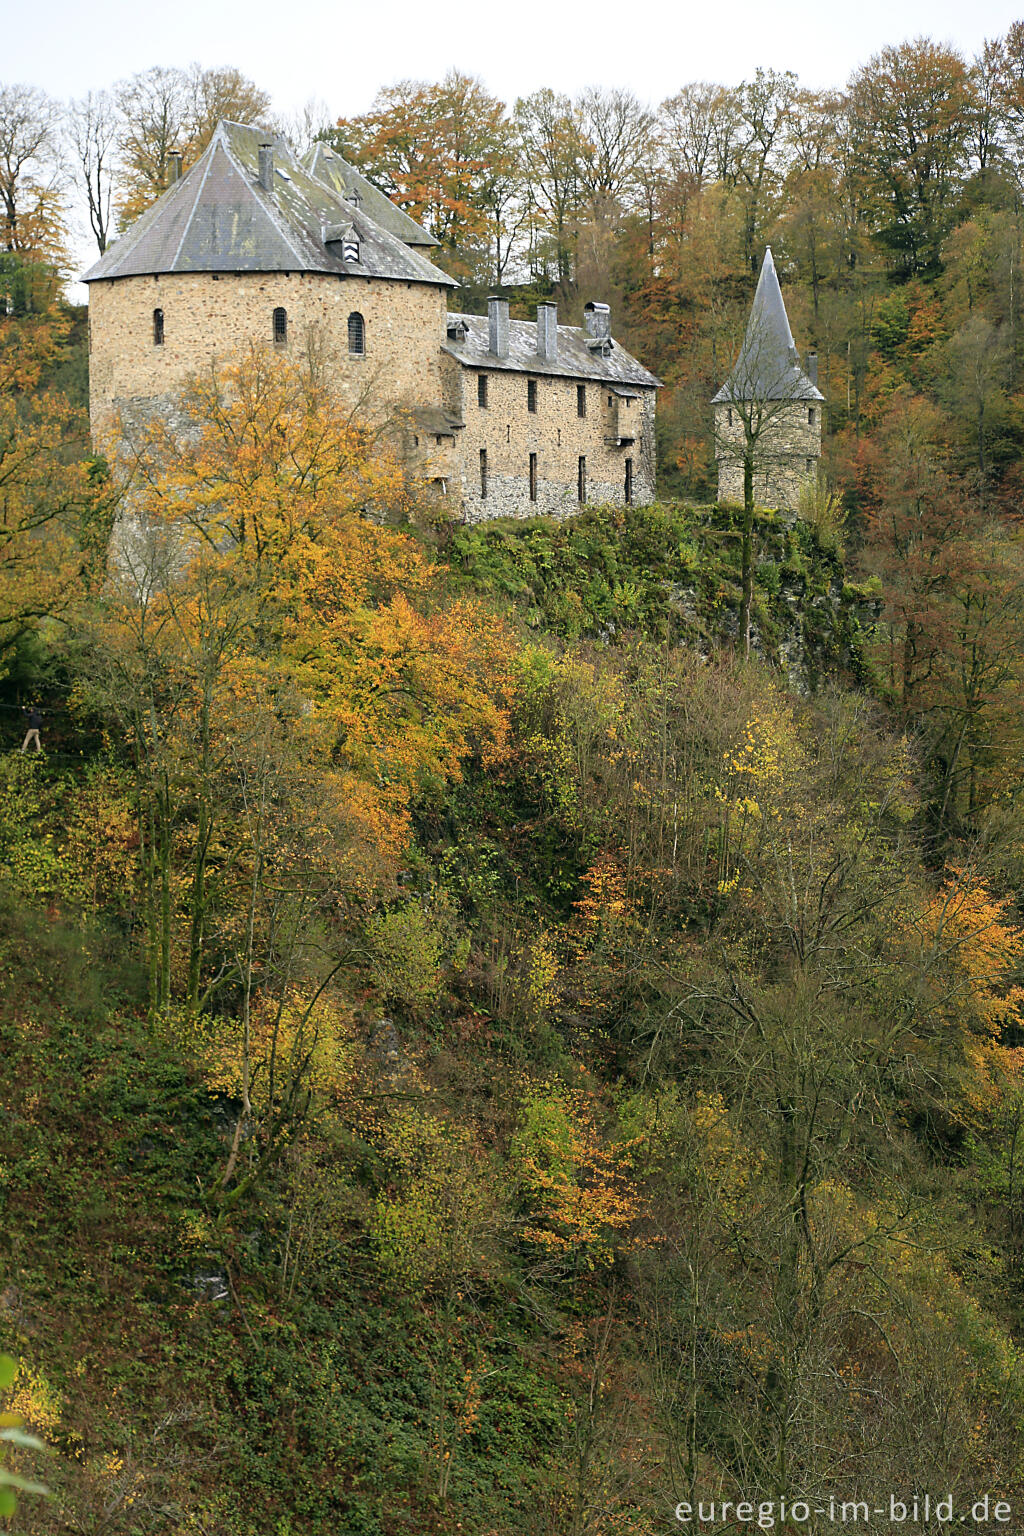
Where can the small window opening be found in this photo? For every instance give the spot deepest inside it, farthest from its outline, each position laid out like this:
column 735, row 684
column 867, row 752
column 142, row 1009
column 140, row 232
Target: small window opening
column 531, row 395
column 158, row 327
column 280, row 326
column 810, row 465
column 810, row 415
column 483, row 474
column 508, row 432
column 356, row 334
column 481, row 391
column 581, row 399
column 581, row 480
column 629, row 482
column 728, row 416
column 533, row 477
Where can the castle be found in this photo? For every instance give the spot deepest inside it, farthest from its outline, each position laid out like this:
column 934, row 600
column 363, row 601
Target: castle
column 500, row 417
column 769, row 409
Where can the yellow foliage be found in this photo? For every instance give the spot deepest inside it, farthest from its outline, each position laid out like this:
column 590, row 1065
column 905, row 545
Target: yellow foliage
column 33, row 1401
column 576, row 1193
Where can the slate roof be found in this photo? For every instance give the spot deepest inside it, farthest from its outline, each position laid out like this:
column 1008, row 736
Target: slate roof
column 327, row 166
column 768, row 367
column 575, row 359
column 218, row 218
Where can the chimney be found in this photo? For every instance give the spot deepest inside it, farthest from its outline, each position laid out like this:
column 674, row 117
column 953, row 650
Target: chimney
column 547, row 332
column 266, row 171
column 812, row 368
column 497, row 326
column 174, row 155
column 597, row 321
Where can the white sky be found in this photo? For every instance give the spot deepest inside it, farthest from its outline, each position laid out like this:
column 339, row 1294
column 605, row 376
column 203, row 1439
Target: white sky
column 342, row 52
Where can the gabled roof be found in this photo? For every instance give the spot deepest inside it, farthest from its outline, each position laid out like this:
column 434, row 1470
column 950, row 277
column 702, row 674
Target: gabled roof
column 575, row 359
column 327, row 166
column 218, row 218
column 768, row 367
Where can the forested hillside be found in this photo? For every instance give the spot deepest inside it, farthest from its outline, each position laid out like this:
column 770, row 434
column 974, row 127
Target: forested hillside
column 482, row 1048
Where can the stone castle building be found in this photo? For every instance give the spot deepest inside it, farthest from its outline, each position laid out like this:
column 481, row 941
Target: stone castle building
column 768, row 408
column 503, row 417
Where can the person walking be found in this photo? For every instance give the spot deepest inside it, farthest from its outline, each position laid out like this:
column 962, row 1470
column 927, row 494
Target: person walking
column 35, row 720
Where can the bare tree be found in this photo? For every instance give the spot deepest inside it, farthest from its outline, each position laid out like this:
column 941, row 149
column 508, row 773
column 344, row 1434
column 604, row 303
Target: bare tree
column 765, row 418
column 92, row 129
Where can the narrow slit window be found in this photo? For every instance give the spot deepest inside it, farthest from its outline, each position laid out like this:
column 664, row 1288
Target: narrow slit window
column 158, row 327
column 581, row 399
column 810, row 415
column 356, row 334
column 280, row 327
column 533, row 477
column 483, row 474
column 581, row 480
column 629, row 482
column 481, row 391
column 531, row 396
column 728, row 417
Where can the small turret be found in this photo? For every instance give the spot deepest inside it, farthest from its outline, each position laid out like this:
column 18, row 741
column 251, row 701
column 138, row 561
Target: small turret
column 768, row 407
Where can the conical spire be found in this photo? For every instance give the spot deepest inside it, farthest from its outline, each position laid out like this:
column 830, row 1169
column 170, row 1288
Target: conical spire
column 768, row 367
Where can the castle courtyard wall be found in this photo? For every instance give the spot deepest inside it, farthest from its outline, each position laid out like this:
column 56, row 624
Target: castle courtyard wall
column 509, row 432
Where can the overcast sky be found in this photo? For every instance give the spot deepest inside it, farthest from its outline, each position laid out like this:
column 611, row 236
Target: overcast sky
column 341, row 53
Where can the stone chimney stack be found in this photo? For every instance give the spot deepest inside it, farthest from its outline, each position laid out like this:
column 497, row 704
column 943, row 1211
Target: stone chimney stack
column 497, row 326
column 547, row 332
column 812, row 368
column 597, row 321
column 266, row 171
column 174, row 173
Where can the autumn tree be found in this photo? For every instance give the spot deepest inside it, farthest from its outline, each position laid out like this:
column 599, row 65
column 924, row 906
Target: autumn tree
column 30, row 191
column 911, row 112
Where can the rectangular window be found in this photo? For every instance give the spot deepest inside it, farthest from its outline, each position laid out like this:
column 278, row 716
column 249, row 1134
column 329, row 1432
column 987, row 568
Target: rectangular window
column 629, row 482
column 810, row 415
column 481, row 391
column 581, row 480
column 533, row 477
column 581, row 399
column 531, row 395
column 810, row 465
column 483, row 474
column 728, row 417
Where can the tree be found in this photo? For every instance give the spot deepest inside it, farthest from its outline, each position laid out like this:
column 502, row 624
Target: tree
column 30, row 200
column 93, row 129
column 911, row 114
column 553, row 148
column 754, row 419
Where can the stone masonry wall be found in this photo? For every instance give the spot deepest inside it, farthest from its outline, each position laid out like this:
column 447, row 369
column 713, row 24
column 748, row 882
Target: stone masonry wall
column 509, row 432
column 207, row 316
column 785, row 460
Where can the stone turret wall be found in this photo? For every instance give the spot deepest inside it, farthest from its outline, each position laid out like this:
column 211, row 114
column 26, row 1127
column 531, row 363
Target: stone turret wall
column 786, row 457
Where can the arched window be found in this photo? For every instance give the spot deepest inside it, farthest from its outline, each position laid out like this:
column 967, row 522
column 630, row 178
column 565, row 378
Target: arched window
column 356, row 334
column 280, row 326
column 158, row 327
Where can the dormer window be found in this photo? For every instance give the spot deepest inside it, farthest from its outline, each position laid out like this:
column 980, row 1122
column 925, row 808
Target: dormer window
column 350, row 245
column 158, row 327
column 280, row 327
column 457, row 330
column 356, row 335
